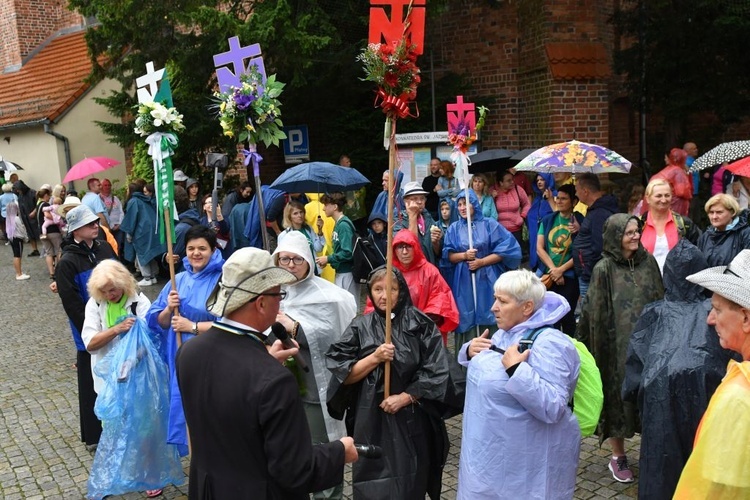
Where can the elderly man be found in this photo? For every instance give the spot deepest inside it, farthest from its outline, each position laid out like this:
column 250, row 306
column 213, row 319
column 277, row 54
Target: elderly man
column 249, row 435
column 81, row 252
column 719, row 466
column 417, row 219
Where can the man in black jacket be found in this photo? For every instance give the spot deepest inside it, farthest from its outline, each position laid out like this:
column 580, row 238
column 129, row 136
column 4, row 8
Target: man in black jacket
column 428, row 184
column 250, row 438
column 81, row 252
column 587, row 247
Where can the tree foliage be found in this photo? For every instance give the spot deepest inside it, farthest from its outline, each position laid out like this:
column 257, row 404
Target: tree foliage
column 694, row 54
column 310, row 44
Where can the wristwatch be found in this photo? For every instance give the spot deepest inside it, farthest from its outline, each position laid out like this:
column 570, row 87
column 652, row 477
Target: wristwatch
column 195, row 328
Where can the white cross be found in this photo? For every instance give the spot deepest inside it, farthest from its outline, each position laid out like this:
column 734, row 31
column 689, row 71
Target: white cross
column 147, row 84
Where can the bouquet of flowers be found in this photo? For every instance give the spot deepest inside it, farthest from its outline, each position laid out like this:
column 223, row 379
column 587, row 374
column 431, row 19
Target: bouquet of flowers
column 252, row 111
column 393, row 68
column 459, row 134
column 156, row 117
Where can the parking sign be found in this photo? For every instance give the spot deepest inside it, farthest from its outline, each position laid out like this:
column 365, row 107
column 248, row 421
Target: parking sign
column 296, row 144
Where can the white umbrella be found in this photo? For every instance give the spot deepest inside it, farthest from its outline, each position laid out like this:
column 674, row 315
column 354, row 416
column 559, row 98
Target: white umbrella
column 7, row 166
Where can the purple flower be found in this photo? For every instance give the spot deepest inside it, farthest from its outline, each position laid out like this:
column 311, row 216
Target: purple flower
column 243, row 101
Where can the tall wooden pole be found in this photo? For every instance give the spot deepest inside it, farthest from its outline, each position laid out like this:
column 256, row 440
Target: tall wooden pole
column 168, row 230
column 389, row 248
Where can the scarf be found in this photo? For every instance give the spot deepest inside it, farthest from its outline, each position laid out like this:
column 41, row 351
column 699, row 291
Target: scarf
column 116, row 310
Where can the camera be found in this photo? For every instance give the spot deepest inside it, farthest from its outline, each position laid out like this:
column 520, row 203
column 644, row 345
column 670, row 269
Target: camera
column 217, row 161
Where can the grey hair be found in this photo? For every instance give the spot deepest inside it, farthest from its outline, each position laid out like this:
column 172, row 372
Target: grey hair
column 521, row 285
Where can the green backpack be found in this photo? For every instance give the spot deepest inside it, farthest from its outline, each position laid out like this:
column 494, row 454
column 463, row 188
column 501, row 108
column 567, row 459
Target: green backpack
column 588, row 397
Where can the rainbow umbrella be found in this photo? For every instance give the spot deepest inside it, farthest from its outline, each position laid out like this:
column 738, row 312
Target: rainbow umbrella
column 575, row 157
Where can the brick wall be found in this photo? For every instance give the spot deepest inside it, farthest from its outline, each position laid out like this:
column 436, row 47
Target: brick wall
column 501, row 48
column 25, row 24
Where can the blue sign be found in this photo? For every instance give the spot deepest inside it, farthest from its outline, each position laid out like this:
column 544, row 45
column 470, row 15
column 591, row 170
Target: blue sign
column 296, row 144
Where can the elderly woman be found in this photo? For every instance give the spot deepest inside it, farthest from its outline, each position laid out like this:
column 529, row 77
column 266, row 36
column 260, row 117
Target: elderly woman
column 520, row 437
column 111, row 310
column 480, row 186
column 493, row 251
column 719, row 466
column 183, row 312
column 729, row 233
column 406, row 424
column 315, row 313
column 662, row 227
column 622, row 283
column 428, row 290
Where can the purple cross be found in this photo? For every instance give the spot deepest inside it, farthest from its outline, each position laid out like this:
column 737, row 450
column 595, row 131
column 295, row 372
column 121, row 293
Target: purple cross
column 236, row 57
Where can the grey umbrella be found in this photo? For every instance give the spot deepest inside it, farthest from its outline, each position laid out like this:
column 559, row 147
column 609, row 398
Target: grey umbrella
column 724, row 152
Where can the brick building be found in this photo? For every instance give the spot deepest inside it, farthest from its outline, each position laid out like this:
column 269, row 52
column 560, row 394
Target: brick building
column 546, row 67
column 47, row 109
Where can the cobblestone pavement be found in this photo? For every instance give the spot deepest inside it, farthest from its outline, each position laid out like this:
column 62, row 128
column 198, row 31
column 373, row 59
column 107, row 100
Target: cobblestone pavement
column 41, row 455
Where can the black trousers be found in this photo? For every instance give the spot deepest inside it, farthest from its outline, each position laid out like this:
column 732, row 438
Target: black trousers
column 91, row 427
column 571, row 292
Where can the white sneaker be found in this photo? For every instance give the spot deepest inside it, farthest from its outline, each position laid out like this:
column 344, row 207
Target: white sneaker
column 23, row 277
column 146, row 282
column 154, row 281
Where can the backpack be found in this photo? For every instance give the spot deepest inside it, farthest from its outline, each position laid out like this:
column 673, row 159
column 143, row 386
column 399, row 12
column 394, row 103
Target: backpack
column 588, row 397
column 367, row 256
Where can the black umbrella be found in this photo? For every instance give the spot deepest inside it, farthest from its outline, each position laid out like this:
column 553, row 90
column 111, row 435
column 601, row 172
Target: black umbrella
column 522, row 154
column 491, row 160
column 725, row 152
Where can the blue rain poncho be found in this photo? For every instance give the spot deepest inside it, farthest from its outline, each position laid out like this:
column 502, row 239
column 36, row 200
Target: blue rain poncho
column 140, row 223
column 520, row 437
column 194, row 289
column 132, row 404
column 539, row 209
column 488, row 237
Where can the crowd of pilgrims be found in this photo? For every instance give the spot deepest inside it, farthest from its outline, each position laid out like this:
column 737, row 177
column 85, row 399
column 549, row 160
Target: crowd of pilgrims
column 486, row 264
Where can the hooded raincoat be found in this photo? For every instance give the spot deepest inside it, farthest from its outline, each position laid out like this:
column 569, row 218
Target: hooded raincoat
column 140, row 223
column 323, row 311
column 488, row 237
column 720, row 247
column 194, row 289
column 674, row 365
column 539, row 209
column 414, row 440
column 520, row 437
column 619, row 290
column 428, row 290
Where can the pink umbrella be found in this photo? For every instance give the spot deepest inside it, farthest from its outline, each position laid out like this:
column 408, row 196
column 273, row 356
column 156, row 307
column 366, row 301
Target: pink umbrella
column 89, row 166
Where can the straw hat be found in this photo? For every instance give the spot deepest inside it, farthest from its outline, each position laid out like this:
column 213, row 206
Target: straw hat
column 731, row 282
column 70, row 203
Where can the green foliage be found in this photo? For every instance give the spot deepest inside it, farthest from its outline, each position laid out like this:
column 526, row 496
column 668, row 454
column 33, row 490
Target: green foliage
column 143, row 168
column 693, row 54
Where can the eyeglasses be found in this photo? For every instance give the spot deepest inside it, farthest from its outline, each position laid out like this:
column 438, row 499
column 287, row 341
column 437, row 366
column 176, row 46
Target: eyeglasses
column 281, row 294
column 403, row 247
column 632, row 233
column 92, row 224
column 298, row 261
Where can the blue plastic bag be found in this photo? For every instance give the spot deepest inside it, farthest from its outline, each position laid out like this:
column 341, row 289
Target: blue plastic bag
column 133, row 454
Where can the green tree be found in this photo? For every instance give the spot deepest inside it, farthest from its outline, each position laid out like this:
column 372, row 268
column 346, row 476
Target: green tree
column 689, row 57
column 310, row 44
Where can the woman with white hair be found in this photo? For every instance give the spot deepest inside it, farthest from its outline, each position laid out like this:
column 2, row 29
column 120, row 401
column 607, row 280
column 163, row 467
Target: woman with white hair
column 315, row 313
column 729, row 233
column 111, row 312
column 520, row 437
